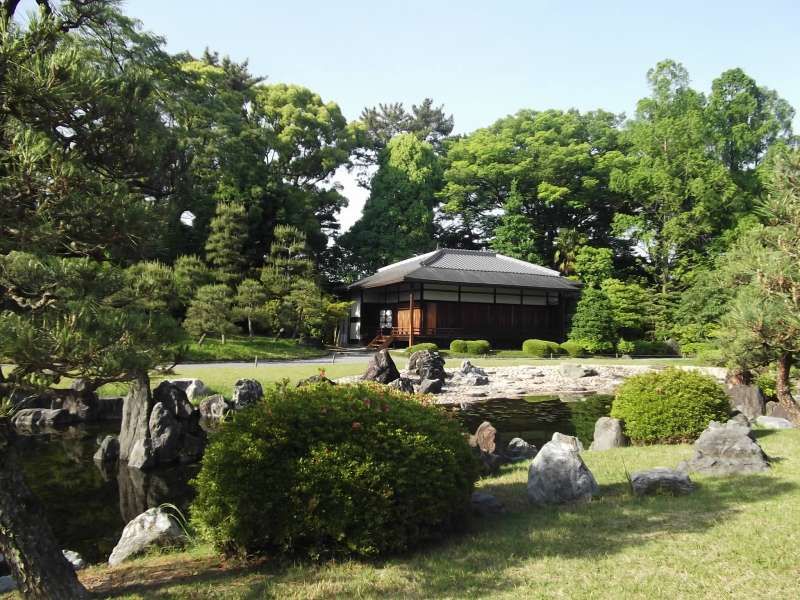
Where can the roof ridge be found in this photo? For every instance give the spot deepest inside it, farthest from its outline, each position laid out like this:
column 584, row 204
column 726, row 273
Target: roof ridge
column 492, row 271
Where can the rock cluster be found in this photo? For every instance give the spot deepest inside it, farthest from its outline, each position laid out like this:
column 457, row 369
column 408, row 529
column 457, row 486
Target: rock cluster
column 558, row 475
column 246, row 392
column 726, row 449
column 195, row 389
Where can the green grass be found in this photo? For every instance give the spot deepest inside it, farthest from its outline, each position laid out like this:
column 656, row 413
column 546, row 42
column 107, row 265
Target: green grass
column 248, row 348
column 734, row 538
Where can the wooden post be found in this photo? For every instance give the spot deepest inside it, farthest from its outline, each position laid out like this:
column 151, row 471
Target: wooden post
column 411, row 317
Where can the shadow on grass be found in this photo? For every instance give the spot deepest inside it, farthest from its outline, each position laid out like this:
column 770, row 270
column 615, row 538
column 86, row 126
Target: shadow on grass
column 485, row 559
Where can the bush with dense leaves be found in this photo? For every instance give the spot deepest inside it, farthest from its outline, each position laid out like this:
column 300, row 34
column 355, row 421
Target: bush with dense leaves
column 324, row 471
column 573, row 348
column 422, row 346
column 669, row 406
column 458, row 346
column 541, row 348
column 625, row 347
column 478, row 347
column 648, row 348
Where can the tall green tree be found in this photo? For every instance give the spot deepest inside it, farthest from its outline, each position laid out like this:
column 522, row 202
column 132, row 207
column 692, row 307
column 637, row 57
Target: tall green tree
column 249, row 303
column 515, row 235
column 594, row 265
column 398, row 218
column 593, row 322
column 762, row 325
column 225, row 244
column 210, row 312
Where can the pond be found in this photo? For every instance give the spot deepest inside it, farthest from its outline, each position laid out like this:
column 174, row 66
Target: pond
column 87, row 505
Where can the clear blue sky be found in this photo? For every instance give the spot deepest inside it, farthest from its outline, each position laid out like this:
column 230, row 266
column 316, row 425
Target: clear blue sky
column 484, row 60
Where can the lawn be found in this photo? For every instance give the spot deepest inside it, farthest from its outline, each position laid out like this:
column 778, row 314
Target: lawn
column 248, row 348
column 735, row 537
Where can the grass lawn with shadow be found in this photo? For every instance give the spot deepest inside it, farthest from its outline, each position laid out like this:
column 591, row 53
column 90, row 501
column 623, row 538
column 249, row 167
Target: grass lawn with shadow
column 734, row 537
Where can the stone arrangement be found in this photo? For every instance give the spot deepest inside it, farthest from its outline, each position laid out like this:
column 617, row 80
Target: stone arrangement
column 726, row 449
column 558, row 474
column 661, row 480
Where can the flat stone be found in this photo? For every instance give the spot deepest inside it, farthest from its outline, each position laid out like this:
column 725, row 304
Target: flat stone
column 608, row 434
column 661, row 480
column 558, row 475
column 774, row 423
column 430, row 386
column 154, row 527
column 486, row 504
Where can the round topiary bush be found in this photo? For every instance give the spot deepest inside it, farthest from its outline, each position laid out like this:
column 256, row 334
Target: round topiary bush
column 573, row 348
column 478, row 347
column 323, row 471
column 540, row 348
column 458, row 346
column 422, row 346
column 669, row 406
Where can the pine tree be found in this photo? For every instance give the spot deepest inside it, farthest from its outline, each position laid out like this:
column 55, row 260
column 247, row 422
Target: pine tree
column 515, row 236
column 593, row 323
column 210, row 312
column 225, row 243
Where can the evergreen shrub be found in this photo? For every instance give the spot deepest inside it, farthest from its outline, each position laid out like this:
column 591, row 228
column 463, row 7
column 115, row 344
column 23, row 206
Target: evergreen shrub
column 648, row 348
column 422, row 346
column 332, row 471
column 458, row 346
column 540, row 348
column 669, row 406
column 478, row 347
column 573, row 348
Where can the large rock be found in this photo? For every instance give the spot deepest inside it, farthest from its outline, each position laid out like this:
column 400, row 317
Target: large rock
column 108, row 452
column 427, row 364
column 195, row 389
column 775, row 409
column 467, row 368
column 571, row 371
column 246, row 392
column 774, row 423
column 35, row 418
column 661, row 481
column 175, row 431
column 154, row 527
column 381, row 368
column 214, row 407
column 747, row 399
column 402, row 384
column 726, row 449
column 484, row 437
column 518, row 450
column 134, row 436
column 608, row 434
column 430, row 386
column 558, row 474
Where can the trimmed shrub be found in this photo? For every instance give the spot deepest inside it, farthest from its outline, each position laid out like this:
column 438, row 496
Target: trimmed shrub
column 458, row 346
column 422, row 346
column 325, row 471
column 669, row 406
column 625, row 347
column 574, row 348
column 540, row 348
column 648, row 348
column 478, row 347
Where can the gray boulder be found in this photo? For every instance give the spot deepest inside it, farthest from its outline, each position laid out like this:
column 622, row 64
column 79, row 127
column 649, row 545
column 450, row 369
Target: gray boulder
column 108, row 452
column 485, row 504
column 774, row 409
column 7, row 584
column 747, row 399
column 774, row 423
column 518, row 450
column 467, row 368
column 195, row 389
column 154, row 527
column 571, row 371
column 430, row 386
column 34, row 418
column 402, row 384
column 134, row 435
column 214, row 407
column 175, row 432
column 661, row 481
column 726, row 449
column 427, row 364
column 75, row 559
column 246, row 392
column 381, row 368
column 608, row 434
column 558, row 475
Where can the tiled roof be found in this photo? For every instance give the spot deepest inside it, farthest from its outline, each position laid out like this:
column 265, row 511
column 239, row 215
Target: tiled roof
column 470, row 267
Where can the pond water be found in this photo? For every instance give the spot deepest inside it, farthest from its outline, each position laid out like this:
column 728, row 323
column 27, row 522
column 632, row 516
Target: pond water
column 87, row 505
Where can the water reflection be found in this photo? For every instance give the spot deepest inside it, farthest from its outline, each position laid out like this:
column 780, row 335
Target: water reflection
column 536, row 418
column 88, row 504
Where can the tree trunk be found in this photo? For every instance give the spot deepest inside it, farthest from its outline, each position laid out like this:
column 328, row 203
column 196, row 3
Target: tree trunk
column 223, row 339
column 26, row 540
column 250, row 326
column 783, row 387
